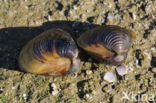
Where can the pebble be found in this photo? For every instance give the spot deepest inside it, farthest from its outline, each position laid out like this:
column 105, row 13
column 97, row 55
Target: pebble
column 1, row 90
column 89, row 72
column 154, row 70
column 110, row 77
column 13, row 88
column 153, row 49
column 55, row 90
column 137, row 61
column 86, row 96
column 122, row 70
column 111, row 17
column 53, row 85
column 25, row 96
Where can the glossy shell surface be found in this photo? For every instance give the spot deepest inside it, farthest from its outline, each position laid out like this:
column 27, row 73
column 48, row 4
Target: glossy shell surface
column 53, row 52
column 107, row 43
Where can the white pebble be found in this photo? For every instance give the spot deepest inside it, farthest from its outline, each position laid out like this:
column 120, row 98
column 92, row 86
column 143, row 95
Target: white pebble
column 13, row 88
column 55, row 92
column 111, row 17
column 134, row 16
column 74, row 7
column 154, row 70
column 109, row 76
column 54, row 86
column 153, row 49
column 1, row 89
column 110, row 90
column 137, row 61
column 122, row 70
column 86, row 96
column 24, row 95
column 103, row 21
column 89, row 72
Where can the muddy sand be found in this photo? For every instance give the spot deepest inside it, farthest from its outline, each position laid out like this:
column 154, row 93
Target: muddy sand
column 21, row 20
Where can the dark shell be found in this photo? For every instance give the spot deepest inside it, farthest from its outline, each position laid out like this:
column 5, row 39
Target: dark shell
column 53, row 52
column 107, row 43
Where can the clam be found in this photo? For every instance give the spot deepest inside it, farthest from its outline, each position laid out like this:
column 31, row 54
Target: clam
column 53, row 52
column 107, row 43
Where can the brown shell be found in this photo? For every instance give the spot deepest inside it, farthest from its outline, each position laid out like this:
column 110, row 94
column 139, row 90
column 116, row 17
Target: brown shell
column 107, row 43
column 53, row 52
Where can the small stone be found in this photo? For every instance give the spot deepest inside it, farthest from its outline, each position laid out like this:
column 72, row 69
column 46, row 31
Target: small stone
column 13, row 88
column 1, row 89
column 109, row 76
column 153, row 49
column 53, row 85
column 137, row 61
column 55, row 92
column 111, row 17
column 24, row 95
column 86, row 96
column 154, row 70
column 110, row 90
column 89, row 72
column 122, row 70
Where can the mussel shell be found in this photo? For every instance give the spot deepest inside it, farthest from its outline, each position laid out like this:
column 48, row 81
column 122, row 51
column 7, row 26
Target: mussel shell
column 53, row 52
column 107, row 43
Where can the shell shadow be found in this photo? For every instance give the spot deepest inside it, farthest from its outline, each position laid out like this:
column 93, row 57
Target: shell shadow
column 12, row 39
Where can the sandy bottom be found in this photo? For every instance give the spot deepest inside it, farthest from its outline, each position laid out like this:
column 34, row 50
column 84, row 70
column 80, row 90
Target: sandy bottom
column 21, row 20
